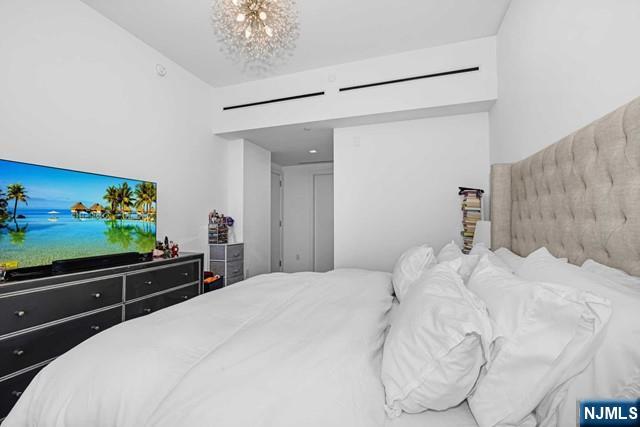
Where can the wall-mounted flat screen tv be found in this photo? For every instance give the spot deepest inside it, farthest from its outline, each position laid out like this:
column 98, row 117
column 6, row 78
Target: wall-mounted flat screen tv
column 49, row 214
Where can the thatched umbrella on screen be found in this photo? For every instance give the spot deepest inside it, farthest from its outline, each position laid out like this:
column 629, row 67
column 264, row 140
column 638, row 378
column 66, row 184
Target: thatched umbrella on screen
column 78, row 209
column 96, row 210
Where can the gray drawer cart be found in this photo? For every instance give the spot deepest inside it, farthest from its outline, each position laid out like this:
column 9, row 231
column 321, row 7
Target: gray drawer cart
column 227, row 260
column 41, row 319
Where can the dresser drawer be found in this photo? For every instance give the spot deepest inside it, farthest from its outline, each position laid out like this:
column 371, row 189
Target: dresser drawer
column 152, row 281
column 226, row 252
column 153, row 304
column 35, row 308
column 31, row 348
column 235, row 268
column 235, row 253
column 12, row 389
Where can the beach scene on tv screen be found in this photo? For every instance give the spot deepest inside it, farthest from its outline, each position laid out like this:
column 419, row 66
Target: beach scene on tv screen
column 49, row 214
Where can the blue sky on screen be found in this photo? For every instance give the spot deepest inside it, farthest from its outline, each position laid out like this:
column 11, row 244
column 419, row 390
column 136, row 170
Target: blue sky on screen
column 51, row 188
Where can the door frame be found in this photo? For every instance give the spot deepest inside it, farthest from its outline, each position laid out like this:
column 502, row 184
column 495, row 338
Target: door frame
column 313, row 217
column 281, row 219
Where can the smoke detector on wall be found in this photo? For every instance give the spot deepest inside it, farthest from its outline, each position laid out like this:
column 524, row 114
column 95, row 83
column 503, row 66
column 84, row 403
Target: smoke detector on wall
column 161, row 70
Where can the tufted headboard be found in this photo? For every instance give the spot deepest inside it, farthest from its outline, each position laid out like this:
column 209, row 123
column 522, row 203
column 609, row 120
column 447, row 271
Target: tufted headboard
column 579, row 197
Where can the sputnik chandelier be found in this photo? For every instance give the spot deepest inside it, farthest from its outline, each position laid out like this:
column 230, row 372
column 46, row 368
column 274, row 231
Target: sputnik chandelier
column 258, row 32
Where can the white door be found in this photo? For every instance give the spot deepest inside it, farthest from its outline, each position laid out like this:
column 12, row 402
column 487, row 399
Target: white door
column 276, row 222
column 322, row 222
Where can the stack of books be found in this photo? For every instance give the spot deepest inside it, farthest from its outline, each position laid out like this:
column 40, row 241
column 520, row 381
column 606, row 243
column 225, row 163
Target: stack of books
column 471, row 214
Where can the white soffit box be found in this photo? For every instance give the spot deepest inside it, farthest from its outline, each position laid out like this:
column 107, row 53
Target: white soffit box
column 417, row 81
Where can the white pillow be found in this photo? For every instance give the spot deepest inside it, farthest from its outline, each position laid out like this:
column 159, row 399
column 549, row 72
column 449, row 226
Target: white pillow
column 615, row 370
column 613, row 274
column 545, row 335
column 410, row 266
column 481, row 249
column 509, row 258
column 436, row 346
column 451, row 253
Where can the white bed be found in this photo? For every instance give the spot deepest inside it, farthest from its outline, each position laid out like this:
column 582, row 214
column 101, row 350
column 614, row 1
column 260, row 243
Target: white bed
column 281, row 350
column 275, row 350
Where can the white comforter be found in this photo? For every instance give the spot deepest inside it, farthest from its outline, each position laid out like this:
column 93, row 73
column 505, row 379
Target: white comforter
column 277, row 350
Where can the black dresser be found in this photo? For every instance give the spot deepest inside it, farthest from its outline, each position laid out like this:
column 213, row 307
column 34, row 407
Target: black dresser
column 43, row 318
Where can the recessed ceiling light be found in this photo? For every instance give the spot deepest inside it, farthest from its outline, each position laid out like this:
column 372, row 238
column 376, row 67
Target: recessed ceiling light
column 313, row 151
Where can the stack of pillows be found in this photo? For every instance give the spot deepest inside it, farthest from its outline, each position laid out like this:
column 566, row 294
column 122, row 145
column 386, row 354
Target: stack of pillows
column 520, row 339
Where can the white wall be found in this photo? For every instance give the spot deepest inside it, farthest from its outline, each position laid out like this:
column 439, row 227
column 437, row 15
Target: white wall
column 561, row 65
column 79, row 92
column 256, row 227
column 298, row 215
column 234, row 163
column 458, row 89
column 396, row 185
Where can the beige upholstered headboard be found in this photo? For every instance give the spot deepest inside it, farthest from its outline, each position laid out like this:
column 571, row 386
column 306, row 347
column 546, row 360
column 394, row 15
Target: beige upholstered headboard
column 579, row 197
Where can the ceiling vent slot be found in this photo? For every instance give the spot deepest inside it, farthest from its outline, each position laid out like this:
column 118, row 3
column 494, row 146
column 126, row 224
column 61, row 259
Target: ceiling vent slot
column 409, row 79
column 272, row 101
column 319, row 162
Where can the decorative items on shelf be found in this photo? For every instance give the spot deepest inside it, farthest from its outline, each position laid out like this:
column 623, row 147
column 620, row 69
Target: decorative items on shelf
column 471, row 214
column 166, row 249
column 219, row 227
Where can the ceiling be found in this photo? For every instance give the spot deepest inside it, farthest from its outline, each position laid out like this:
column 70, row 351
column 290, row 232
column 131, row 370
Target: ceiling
column 331, row 31
column 290, row 145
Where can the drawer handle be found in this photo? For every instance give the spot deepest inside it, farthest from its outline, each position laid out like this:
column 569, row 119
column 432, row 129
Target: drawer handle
column 97, row 295
column 147, row 310
column 185, row 297
column 185, row 274
column 20, row 313
column 95, row 327
column 148, row 282
column 16, row 393
column 236, row 255
column 18, row 352
column 236, row 271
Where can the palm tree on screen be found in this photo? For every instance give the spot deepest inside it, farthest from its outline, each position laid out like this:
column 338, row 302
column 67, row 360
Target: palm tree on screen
column 4, row 215
column 111, row 197
column 17, row 193
column 145, row 197
column 126, row 197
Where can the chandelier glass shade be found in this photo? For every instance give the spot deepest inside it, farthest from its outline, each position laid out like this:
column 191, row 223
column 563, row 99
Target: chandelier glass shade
column 261, row 33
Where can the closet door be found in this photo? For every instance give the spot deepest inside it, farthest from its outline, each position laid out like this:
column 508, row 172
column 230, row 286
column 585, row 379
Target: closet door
column 322, row 222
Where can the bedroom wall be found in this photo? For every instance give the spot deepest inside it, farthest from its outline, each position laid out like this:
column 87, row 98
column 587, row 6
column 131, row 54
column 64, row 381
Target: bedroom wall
column 79, row 92
column 561, row 65
column 396, row 185
column 298, row 215
column 257, row 210
column 248, row 202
